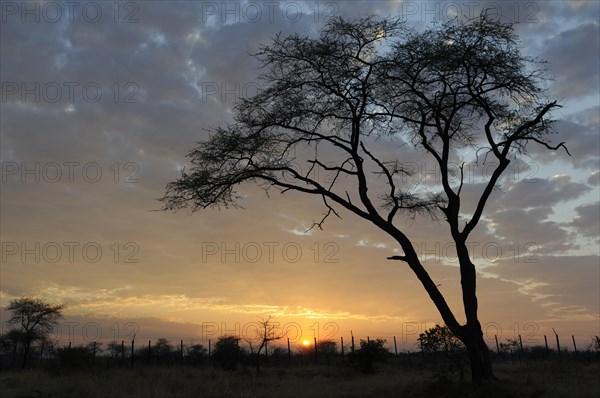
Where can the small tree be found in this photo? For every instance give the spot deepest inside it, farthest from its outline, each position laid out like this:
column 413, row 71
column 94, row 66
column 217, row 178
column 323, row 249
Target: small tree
column 439, row 339
column 79, row 357
column 369, row 352
column 163, row 350
column 595, row 344
column 266, row 332
column 196, row 353
column 116, row 349
column 440, row 342
column 510, row 347
column 32, row 320
column 327, row 348
column 228, row 352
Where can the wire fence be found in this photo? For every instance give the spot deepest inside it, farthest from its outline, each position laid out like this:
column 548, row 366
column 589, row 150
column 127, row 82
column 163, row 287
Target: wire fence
column 160, row 352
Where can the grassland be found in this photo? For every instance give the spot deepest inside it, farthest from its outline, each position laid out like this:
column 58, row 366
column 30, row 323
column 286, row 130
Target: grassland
column 544, row 379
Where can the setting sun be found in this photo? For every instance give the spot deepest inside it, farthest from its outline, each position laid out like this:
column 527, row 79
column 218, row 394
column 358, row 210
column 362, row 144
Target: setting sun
column 306, row 343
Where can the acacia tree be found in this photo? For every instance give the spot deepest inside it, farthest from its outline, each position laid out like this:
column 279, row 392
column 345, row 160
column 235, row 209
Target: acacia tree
column 32, row 320
column 460, row 90
column 265, row 333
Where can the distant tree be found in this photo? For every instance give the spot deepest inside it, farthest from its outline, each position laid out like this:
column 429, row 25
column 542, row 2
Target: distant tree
column 459, row 92
column 227, row 352
column 439, row 342
column 163, row 347
column 32, row 320
column 78, row 357
column 95, row 346
column 116, row 349
column 370, row 351
column 439, row 339
column 196, row 353
column 327, row 349
column 595, row 344
column 511, row 347
column 278, row 353
column 266, row 332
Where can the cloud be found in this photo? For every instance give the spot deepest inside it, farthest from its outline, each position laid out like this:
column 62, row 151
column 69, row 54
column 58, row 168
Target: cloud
column 565, row 286
column 524, row 226
column 578, row 78
column 594, row 178
column 579, row 132
column 541, row 192
column 587, row 221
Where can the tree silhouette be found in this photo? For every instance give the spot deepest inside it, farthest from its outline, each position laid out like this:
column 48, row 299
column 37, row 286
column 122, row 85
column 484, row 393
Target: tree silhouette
column 460, row 90
column 32, row 320
column 440, row 340
column 370, row 351
column 265, row 333
column 228, row 352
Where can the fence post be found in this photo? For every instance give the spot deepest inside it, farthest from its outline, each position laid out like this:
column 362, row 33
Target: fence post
column 289, row 350
column 521, row 345
column 557, row 341
column 94, row 354
column 122, row 351
column 342, row 344
column 316, row 351
column 181, row 345
column 497, row 345
column 132, row 348
column 149, row 351
column 522, row 352
column 574, row 345
column 547, row 349
column 209, row 351
column 395, row 347
column 352, row 346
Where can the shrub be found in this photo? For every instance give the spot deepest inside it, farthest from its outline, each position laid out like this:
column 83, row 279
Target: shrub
column 369, row 352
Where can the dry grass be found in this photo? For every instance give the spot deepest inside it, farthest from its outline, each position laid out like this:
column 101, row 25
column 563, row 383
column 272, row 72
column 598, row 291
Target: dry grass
column 552, row 380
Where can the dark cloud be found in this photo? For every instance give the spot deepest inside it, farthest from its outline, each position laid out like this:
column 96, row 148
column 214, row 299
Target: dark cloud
column 579, row 133
column 594, row 178
column 529, row 226
column 541, row 192
column 587, row 221
column 553, row 280
column 580, row 77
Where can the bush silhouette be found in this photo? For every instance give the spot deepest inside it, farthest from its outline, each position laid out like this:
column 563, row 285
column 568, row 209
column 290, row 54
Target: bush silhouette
column 228, row 352
column 369, row 352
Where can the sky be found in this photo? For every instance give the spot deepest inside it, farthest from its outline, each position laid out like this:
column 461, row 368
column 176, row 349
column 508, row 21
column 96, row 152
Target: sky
column 101, row 101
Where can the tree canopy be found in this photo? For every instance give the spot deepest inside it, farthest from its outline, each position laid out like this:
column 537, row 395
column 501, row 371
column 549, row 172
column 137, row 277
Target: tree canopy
column 457, row 92
column 31, row 320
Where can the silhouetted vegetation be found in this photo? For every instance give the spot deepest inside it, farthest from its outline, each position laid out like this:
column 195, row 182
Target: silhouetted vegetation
column 31, row 321
column 368, row 354
column 228, row 353
column 444, row 350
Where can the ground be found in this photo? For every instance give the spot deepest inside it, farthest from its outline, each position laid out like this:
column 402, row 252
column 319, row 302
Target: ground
column 544, row 379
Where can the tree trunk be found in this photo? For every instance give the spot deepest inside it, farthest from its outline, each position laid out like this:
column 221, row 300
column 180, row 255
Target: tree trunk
column 471, row 334
column 26, row 347
column 479, row 355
